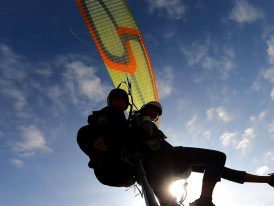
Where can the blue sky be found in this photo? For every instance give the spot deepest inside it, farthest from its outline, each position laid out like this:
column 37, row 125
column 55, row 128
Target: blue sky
column 214, row 67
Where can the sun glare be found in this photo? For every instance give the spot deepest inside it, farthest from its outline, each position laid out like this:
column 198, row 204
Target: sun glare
column 177, row 189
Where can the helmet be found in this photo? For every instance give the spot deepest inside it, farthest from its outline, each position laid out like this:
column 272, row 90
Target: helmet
column 153, row 104
column 120, row 93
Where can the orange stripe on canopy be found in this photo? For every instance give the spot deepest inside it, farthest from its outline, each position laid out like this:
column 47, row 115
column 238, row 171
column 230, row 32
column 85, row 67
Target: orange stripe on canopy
column 121, row 46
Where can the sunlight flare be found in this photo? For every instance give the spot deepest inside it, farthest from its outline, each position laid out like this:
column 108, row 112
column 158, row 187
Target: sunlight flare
column 178, row 189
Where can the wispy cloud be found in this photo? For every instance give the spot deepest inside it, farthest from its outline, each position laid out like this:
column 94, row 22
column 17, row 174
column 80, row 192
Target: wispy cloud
column 174, row 9
column 80, row 80
column 30, row 89
column 270, row 129
column 246, row 141
column 249, row 133
column 207, row 134
column 244, row 145
column 18, row 97
column 244, row 12
column 272, row 94
column 257, row 84
column 256, row 119
column 33, row 142
column 44, row 69
column 54, row 92
column 165, row 79
column 228, row 138
column 196, row 129
column 16, row 162
column 182, row 104
column 269, row 75
column 269, row 156
column 211, row 57
column 169, row 34
column 12, row 73
column 270, row 49
column 220, row 113
column 65, row 79
column 11, row 64
column 262, row 170
column 260, row 84
column 192, row 125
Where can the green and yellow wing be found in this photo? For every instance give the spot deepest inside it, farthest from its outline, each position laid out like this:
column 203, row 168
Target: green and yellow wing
column 121, row 46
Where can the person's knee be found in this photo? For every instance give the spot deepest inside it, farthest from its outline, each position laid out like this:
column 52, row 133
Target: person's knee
column 218, row 157
column 221, row 158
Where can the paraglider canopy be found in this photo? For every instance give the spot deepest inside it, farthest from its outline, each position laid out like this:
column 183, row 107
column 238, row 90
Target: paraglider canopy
column 121, row 46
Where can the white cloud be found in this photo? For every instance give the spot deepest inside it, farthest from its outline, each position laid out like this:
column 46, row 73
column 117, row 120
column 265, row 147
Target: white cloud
column 165, row 82
column 181, row 104
column 17, row 95
column 246, row 142
column 7, row 56
column 44, row 70
column 262, row 170
column 207, row 134
column 11, row 65
column 260, row 83
column 269, row 156
column 33, row 141
column 18, row 163
column 244, row 145
column 223, row 114
column 24, row 83
column 249, row 133
column 259, row 118
column 81, row 80
column 54, row 92
column 262, row 115
column 197, row 53
column 27, row 154
column 219, row 113
column 270, row 128
column 169, row 34
column 269, row 74
column 12, row 72
column 244, row 12
column 210, row 113
column 272, row 94
column 270, row 49
column 257, row 84
column 192, row 124
column 228, row 138
column 174, row 8
column 211, row 57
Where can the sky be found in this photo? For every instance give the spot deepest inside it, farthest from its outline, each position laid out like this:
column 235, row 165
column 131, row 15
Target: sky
column 214, row 67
